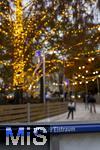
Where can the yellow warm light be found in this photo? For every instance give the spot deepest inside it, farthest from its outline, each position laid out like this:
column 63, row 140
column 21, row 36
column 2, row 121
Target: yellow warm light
column 87, row 71
column 89, row 59
column 80, row 82
column 79, row 75
column 83, row 67
column 18, row 41
column 20, row 33
column 86, row 82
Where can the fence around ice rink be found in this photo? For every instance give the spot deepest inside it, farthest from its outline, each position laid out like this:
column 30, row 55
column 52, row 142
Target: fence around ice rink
column 27, row 113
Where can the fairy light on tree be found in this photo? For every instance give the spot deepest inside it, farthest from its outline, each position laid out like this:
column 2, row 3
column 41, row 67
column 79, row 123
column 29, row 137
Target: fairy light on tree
column 36, row 23
column 18, row 41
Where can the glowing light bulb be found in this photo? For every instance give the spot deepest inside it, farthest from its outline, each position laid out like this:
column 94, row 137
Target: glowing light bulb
column 89, row 59
column 79, row 75
column 87, row 71
column 99, row 28
column 76, row 77
column 83, row 67
column 75, row 83
column 92, row 58
column 96, row 72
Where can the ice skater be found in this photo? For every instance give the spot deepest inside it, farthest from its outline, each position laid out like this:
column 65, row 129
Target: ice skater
column 71, row 109
column 92, row 103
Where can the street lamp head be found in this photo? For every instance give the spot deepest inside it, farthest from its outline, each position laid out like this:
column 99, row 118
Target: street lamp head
column 38, row 53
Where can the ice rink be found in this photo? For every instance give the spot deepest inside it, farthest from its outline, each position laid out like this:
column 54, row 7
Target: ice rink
column 81, row 114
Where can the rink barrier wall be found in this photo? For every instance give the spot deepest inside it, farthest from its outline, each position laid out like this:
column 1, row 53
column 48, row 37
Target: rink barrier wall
column 30, row 112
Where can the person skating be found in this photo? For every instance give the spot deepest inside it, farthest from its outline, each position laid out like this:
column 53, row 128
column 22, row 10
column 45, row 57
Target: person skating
column 71, row 109
column 92, row 102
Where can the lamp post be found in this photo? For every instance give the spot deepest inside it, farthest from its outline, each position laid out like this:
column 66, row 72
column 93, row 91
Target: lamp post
column 86, row 88
column 44, row 100
column 41, row 57
column 86, row 98
column 98, row 87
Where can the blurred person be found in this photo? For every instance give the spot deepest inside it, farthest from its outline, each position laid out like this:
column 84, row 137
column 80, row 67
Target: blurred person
column 92, row 102
column 71, row 109
column 65, row 95
column 85, row 100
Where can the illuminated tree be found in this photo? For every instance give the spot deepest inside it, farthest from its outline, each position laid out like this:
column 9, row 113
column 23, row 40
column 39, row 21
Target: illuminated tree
column 18, row 43
column 65, row 30
column 5, row 34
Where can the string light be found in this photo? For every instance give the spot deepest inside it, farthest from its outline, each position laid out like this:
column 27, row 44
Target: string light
column 83, row 77
column 90, row 59
column 99, row 28
column 93, row 80
column 18, row 41
column 87, row 71
column 80, row 82
column 20, row 34
column 79, row 75
column 96, row 72
column 86, row 82
column 83, row 67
